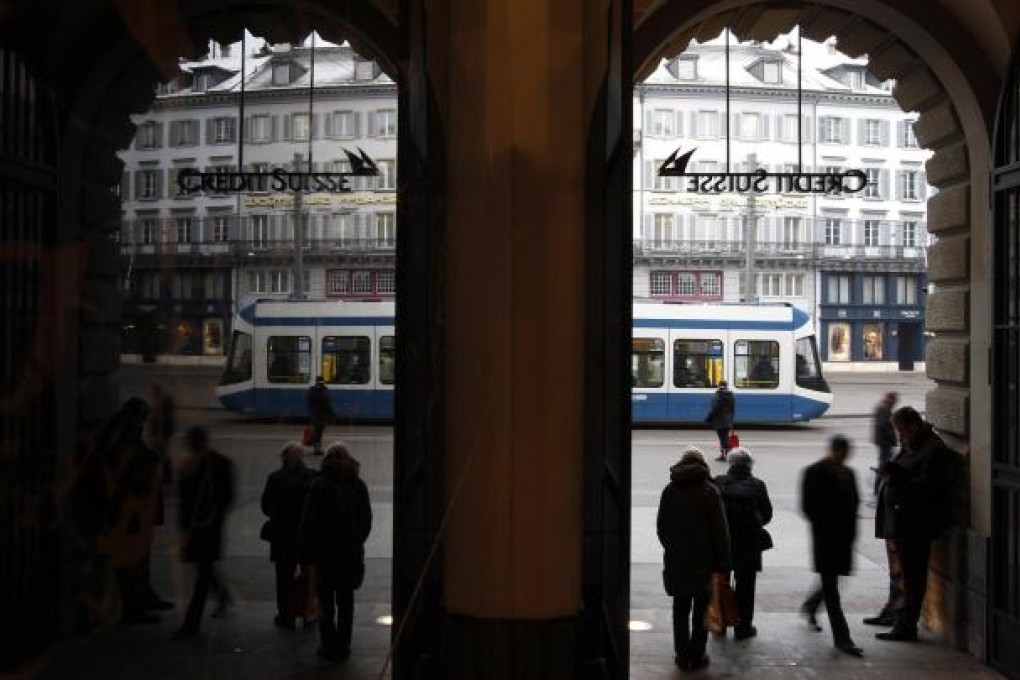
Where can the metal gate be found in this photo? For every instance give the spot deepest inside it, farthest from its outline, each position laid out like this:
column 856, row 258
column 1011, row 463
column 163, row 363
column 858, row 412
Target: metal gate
column 29, row 546
column 1004, row 582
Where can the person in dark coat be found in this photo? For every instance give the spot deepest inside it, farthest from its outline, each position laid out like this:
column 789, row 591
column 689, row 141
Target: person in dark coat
column 206, row 490
column 884, row 437
column 748, row 510
column 320, row 410
column 691, row 525
column 283, row 501
column 720, row 416
column 916, row 502
column 334, row 527
column 829, row 499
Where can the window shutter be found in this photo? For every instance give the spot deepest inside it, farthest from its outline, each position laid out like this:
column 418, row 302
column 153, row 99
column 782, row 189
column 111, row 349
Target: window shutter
column 734, row 131
column 125, row 186
column 647, row 235
column 844, row 130
column 328, row 125
column 174, row 124
column 808, row 129
column 679, row 123
column 695, row 132
column 900, row 132
column 287, row 127
column 883, row 184
column 232, row 129
column 648, row 123
column 314, row 129
column 899, row 185
column 371, row 131
column 883, row 131
column 272, row 128
column 210, row 130
column 650, row 168
column 157, row 134
column 246, row 129
column 922, row 186
column 765, row 126
column 160, row 176
column 861, row 138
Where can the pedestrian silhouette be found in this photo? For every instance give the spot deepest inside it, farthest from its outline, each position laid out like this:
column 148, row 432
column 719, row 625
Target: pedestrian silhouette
column 320, row 410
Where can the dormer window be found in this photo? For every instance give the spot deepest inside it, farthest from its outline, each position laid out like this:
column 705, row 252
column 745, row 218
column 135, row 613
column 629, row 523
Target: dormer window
column 281, row 74
column 365, row 70
column 772, row 72
column 855, row 79
column 684, row 68
column 201, row 82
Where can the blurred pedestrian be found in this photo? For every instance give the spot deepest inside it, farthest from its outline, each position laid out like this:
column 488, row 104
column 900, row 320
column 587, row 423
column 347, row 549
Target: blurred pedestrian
column 283, row 501
column 829, row 499
column 720, row 416
column 883, row 434
column 748, row 510
column 691, row 525
column 206, row 490
column 320, row 410
column 162, row 425
column 915, row 506
column 335, row 525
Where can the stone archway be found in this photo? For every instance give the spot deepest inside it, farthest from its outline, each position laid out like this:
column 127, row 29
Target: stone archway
column 941, row 75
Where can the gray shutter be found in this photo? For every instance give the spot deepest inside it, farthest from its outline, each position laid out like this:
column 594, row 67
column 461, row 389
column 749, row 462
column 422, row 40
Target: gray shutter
column 173, row 133
column 273, row 129
column 210, row 130
column 844, row 131
column 328, row 125
column 765, row 126
column 679, row 123
column 246, row 129
column 125, row 186
column 314, row 131
column 647, row 228
column 138, row 184
column 171, row 182
column 287, row 127
column 883, row 129
column 897, row 177
column 734, row 131
column 883, row 184
column 808, row 128
column 649, row 174
column 922, row 186
column 371, row 131
column 695, row 132
column 160, row 176
column 861, row 123
column 158, row 136
column 778, row 127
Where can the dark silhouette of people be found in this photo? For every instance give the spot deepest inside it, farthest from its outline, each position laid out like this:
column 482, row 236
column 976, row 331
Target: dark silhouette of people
column 691, row 525
column 320, row 410
column 763, row 374
column 748, row 510
column 206, row 490
column 720, row 416
column 884, row 437
column 129, row 509
column 829, row 499
column 916, row 502
column 283, row 501
column 335, row 525
column 160, row 428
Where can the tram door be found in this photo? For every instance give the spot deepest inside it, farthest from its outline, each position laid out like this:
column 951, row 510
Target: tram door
column 1004, row 572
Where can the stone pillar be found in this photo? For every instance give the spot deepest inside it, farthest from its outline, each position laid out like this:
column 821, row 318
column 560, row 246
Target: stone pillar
column 519, row 87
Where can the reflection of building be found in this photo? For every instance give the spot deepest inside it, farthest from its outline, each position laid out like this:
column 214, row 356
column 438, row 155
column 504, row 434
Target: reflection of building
column 189, row 258
column 855, row 261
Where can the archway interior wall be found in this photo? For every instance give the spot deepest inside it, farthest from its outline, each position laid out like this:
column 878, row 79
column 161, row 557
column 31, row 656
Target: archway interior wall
column 951, row 94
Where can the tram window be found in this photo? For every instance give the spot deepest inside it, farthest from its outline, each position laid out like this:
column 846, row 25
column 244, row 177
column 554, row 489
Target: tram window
column 809, row 368
column 648, row 358
column 756, row 364
column 239, row 361
column 345, row 359
column 289, row 359
column 697, row 363
column 387, row 360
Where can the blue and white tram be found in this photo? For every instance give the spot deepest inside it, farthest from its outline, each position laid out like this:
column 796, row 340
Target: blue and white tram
column 767, row 353
column 680, row 353
column 279, row 347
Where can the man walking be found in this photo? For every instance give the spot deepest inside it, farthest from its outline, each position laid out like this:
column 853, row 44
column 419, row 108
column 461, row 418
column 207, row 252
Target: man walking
column 915, row 507
column 829, row 499
column 720, row 416
column 320, row 410
column 883, row 433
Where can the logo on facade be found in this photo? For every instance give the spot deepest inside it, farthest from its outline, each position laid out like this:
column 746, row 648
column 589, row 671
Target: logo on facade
column 191, row 181
column 761, row 181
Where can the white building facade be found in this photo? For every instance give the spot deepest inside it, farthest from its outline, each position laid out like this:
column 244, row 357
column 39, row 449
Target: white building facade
column 854, row 261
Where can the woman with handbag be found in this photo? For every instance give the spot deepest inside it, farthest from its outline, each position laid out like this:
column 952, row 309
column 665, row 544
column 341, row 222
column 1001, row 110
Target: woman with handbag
column 748, row 510
column 691, row 525
column 283, row 500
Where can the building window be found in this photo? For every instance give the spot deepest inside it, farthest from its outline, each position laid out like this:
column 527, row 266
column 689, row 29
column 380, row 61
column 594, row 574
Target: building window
column 289, row 359
column 789, row 130
column 281, row 74
column 147, row 229
column 872, row 133
column 772, row 72
column 833, row 231
column 386, row 229
column 834, row 130
column 386, row 282
column 261, row 128
column 147, row 184
column 838, row 292
column 223, row 130
column 872, row 229
column 387, row 177
column 710, row 285
column 906, row 290
column 184, row 133
column 685, row 282
column 345, row 124
column 220, row 228
column 794, row 285
column 839, row 342
column 833, row 170
column 792, row 232
column 909, row 185
column 750, row 126
column 907, row 138
column 769, row 285
column 909, row 234
column 873, row 290
column 663, row 123
column 148, row 135
column 662, row 231
column 707, row 125
column 873, row 187
column 385, row 123
column 686, row 68
column 338, row 282
column 184, row 230
column 660, row 284
column 299, row 127
column 261, row 231
column 361, row 282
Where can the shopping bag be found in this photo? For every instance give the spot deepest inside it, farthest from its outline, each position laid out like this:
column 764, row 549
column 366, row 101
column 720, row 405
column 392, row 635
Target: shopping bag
column 306, row 602
column 722, row 611
column 308, row 436
column 732, row 440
